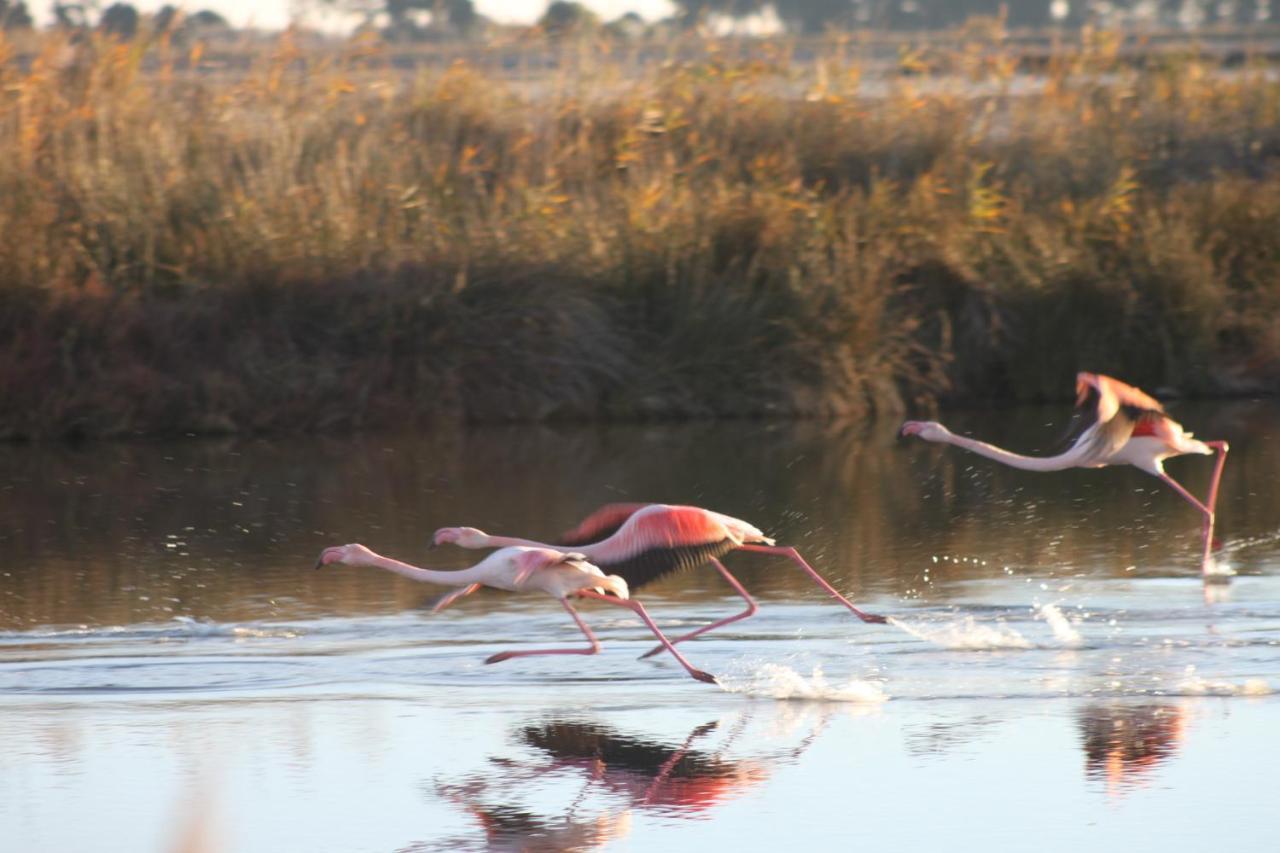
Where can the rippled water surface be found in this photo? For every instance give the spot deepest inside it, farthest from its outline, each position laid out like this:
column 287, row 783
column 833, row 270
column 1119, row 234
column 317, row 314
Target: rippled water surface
column 174, row 676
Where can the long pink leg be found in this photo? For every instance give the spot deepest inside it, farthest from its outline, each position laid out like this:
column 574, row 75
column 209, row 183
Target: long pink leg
column 1206, row 508
column 667, row 766
column 793, row 554
column 638, row 609
column 733, row 582
column 449, row 598
column 589, row 650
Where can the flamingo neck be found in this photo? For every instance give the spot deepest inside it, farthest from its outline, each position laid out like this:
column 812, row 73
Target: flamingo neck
column 1014, row 460
column 458, row 577
column 516, row 542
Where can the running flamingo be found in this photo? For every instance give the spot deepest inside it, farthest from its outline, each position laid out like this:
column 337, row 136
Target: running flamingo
column 1117, row 424
column 519, row 569
column 643, row 542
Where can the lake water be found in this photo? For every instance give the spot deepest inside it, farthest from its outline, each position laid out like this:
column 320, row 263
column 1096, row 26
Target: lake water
column 174, row 676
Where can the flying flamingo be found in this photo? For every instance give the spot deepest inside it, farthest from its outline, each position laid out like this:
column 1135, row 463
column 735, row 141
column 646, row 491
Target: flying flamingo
column 643, row 542
column 518, row 569
column 1117, row 424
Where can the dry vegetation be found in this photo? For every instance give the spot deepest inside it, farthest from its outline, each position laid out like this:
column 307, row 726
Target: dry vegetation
column 321, row 244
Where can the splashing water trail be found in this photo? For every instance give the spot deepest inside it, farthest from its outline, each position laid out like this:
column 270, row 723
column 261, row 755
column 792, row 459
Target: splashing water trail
column 775, row 681
column 1063, row 631
column 1193, row 684
column 966, row 634
column 1218, row 570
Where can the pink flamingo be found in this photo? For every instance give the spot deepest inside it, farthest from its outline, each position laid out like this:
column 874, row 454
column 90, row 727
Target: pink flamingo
column 519, row 569
column 1117, row 424
column 643, row 542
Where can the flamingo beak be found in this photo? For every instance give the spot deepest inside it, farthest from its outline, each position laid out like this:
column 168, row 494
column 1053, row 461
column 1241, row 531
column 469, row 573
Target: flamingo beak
column 320, row 562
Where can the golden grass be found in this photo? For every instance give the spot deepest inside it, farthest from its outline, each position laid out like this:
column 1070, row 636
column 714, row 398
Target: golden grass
column 322, row 242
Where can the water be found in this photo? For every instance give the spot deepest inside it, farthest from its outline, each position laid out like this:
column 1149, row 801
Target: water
column 174, row 676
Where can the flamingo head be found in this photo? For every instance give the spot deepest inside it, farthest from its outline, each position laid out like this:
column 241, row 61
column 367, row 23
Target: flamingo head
column 463, row 537
column 348, row 554
column 928, row 430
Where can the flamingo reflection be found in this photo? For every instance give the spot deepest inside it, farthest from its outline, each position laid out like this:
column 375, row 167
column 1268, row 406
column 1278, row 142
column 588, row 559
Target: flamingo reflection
column 1124, row 743
column 612, row 775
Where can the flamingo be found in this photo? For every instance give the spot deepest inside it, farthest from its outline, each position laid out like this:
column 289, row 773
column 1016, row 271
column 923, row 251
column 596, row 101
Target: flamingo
column 1116, row 425
column 518, row 569
column 643, row 542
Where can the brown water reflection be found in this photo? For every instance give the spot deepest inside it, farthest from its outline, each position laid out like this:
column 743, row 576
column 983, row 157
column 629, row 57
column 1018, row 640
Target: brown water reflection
column 120, row 533
column 1125, row 743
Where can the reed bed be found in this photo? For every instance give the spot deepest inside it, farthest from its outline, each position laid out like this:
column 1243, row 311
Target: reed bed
column 323, row 241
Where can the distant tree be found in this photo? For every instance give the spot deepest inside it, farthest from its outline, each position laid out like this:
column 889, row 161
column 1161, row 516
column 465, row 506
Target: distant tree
column 566, row 17
column 207, row 19
column 814, row 16
column 628, row 26
column 70, row 16
column 694, row 12
column 165, row 19
column 14, row 16
column 120, row 20
column 461, row 15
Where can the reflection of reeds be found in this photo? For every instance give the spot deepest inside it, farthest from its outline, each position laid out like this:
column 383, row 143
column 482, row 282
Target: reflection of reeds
column 228, row 530
column 345, row 246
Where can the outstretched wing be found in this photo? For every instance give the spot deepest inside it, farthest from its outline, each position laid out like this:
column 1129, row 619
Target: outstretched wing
column 601, row 524
column 1109, row 412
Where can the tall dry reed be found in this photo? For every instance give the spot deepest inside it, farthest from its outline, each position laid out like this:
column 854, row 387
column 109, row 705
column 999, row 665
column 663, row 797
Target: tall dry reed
column 324, row 241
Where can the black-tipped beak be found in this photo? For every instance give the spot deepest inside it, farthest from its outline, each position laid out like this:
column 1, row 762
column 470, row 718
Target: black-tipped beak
column 431, row 544
column 319, row 562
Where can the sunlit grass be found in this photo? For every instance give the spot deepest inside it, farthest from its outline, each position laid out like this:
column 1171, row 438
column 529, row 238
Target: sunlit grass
column 323, row 242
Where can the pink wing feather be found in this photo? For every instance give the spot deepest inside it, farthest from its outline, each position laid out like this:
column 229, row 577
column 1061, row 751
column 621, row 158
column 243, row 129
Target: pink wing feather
column 601, row 524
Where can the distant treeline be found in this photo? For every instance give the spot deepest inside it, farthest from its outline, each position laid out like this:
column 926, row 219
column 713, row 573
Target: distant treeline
column 328, row 245
column 816, row 15
column 436, row 20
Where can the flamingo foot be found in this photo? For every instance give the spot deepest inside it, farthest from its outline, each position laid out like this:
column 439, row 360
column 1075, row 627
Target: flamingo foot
column 873, row 618
column 696, row 673
column 499, row 657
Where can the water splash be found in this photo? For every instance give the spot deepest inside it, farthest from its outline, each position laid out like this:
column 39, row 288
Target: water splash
column 1063, row 631
column 179, row 628
column 775, row 681
column 1218, row 570
column 1193, row 684
column 966, row 634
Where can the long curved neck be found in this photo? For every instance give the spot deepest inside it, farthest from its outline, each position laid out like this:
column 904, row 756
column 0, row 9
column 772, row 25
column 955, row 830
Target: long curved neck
column 457, row 577
column 591, row 551
column 1015, row 460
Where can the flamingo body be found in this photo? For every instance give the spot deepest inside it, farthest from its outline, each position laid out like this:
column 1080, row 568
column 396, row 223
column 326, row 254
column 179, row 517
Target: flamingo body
column 655, row 540
column 647, row 542
column 643, row 542
column 515, row 569
column 522, row 568
column 1114, row 424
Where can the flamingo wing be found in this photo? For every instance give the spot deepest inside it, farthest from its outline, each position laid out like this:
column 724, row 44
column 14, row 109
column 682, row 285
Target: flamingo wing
column 537, row 559
column 658, row 540
column 1109, row 413
column 601, row 524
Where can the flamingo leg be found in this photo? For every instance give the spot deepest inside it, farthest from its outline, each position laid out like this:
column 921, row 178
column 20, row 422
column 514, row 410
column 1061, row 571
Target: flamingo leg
column 1206, row 508
column 733, row 582
column 793, row 554
column 449, row 598
column 667, row 766
column 589, row 650
column 638, row 609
